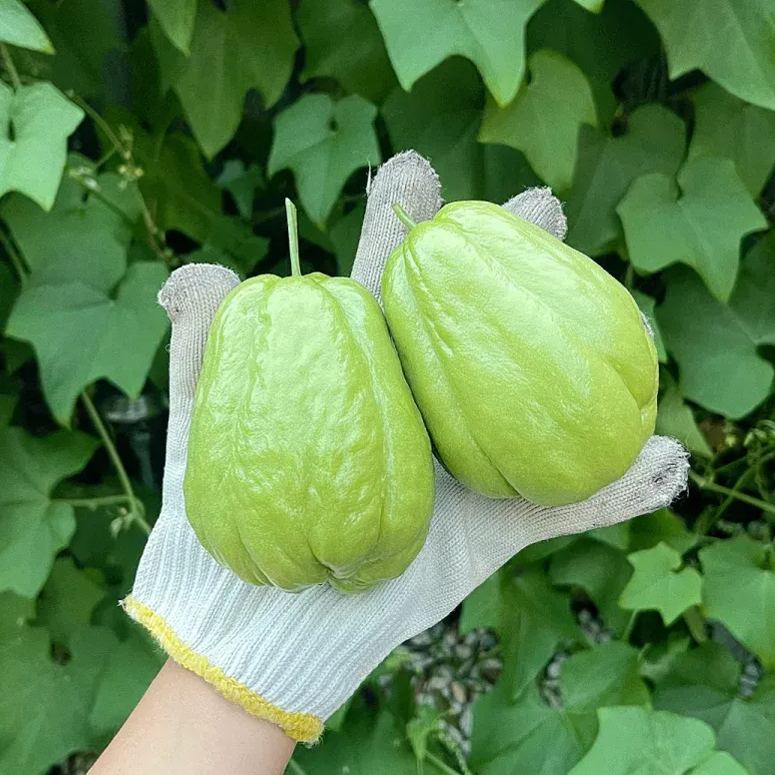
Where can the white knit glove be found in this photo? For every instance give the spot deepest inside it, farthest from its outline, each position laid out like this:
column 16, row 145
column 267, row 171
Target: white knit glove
column 294, row 658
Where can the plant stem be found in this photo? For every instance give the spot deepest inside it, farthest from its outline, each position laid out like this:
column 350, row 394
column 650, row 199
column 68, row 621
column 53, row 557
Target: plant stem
column 100, row 122
column 15, row 257
column 293, row 765
column 94, row 416
column 10, row 67
column 705, row 484
column 293, row 237
column 93, row 503
column 403, row 216
column 439, row 764
column 628, row 627
column 695, row 623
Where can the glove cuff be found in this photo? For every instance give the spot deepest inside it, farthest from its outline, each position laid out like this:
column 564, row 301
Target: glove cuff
column 302, row 727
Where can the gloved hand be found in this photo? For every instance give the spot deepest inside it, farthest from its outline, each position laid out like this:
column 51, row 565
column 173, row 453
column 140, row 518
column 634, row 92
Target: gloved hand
column 294, row 658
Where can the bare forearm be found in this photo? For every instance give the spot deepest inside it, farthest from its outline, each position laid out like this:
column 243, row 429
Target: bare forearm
column 183, row 726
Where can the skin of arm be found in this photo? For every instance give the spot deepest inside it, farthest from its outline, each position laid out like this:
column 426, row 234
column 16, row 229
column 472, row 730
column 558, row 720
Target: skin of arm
column 182, row 726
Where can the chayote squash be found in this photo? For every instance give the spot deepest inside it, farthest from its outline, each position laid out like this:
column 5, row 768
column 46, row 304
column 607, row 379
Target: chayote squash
column 308, row 461
column 531, row 365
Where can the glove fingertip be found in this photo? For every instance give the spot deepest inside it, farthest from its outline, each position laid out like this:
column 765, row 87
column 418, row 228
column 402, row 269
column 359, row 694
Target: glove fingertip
column 541, row 207
column 196, row 287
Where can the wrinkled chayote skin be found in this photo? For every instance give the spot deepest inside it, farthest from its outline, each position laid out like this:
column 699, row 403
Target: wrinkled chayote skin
column 308, row 461
column 531, row 365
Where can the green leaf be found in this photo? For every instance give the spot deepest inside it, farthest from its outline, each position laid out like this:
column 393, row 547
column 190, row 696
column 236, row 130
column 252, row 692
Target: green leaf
column 483, row 607
column 646, row 305
column 129, row 668
column 731, row 42
column 440, row 118
column 658, row 584
column 605, row 675
column 528, row 736
column 345, row 234
column 663, row 526
column 37, row 120
column 250, row 46
column 80, row 239
column 33, row 526
column 67, row 600
column 637, row 740
column 176, row 18
column 81, row 334
column 739, row 591
column 675, row 418
column 699, row 222
column 600, row 44
column 176, row 186
column 601, row 570
column 716, row 344
column 420, row 34
column 726, row 126
column 324, row 142
column 543, row 120
column 535, row 620
column 44, row 706
column 343, row 42
column 241, row 182
column 704, row 683
column 606, row 166
column 20, row 28
column 80, row 66
column 371, row 742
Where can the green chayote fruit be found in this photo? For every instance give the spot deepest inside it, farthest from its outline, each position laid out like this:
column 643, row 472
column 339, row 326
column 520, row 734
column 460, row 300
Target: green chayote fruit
column 531, row 365
column 308, row 461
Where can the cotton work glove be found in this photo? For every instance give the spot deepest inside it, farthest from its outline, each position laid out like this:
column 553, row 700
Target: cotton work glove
column 294, row 658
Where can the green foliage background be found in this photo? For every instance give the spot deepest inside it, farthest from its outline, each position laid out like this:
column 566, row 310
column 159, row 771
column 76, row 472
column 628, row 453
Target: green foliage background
column 137, row 138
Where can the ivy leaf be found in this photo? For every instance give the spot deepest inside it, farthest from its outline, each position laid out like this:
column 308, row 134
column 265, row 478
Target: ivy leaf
column 601, row 570
column 342, row 41
column 739, row 591
column 241, row 182
column 704, row 683
column 44, row 706
column 543, row 120
column 176, row 187
column 726, row 126
column 420, row 34
column 176, row 18
column 675, row 418
column 20, row 28
column 129, row 668
column 715, row 344
column 534, row 620
column 646, row 305
column 36, row 120
column 34, row 527
column 663, row 526
column 371, row 742
column 600, row 44
column 700, row 223
column 639, row 740
column 67, row 600
column 76, row 66
column 250, row 46
column 324, row 142
column 658, row 584
column 606, row 166
column 80, row 239
column 81, row 334
column 527, row 735
column 730, row 42
column 482, row 608
column 440, row 118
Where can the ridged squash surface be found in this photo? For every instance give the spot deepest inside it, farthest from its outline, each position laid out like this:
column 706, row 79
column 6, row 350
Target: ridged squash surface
column 308, row 461
column 531, row 365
